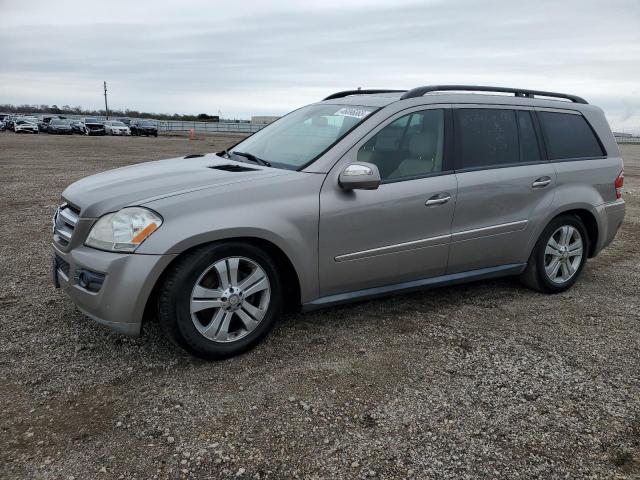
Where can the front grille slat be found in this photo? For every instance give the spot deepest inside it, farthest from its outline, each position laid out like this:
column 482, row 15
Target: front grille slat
column 64, row 223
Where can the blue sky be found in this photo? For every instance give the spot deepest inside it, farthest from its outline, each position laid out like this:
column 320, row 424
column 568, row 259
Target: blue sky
column 250, row 58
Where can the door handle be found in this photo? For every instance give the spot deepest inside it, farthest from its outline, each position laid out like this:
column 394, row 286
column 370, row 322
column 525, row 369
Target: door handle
column 439, row 199
column 541, row 182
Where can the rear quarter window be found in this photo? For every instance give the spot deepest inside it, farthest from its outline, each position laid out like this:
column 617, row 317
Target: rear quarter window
column 569, row 136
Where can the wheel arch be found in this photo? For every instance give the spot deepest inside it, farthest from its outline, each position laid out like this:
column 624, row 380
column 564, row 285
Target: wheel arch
column 588, row 218
column 290, row 277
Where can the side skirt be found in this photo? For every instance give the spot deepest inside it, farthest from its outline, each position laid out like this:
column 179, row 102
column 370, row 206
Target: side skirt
column 414, row 285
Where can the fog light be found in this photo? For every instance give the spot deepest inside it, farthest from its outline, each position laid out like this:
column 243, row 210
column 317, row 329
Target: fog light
column 91, row 281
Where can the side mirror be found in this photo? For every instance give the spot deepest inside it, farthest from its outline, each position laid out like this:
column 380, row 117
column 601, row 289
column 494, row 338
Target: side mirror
column 360, row 176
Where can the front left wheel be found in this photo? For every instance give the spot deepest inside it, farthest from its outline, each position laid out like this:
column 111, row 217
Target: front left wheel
column 220, row 300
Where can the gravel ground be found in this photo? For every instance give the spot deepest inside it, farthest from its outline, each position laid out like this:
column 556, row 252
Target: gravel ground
column 486, row 380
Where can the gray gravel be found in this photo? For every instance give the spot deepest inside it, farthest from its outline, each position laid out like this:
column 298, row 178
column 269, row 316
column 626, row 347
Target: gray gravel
column 487, row 380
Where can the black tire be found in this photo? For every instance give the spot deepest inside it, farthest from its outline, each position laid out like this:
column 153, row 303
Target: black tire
column 535, row 275
column 175, row 295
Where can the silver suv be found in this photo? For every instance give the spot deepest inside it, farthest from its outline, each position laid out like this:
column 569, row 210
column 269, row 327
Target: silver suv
column 367, row 193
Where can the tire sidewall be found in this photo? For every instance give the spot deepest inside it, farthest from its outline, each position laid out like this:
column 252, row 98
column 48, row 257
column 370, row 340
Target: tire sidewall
column 556, row 223
column 180, row 297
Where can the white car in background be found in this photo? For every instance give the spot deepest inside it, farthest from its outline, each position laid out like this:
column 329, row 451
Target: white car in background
column 115, row 127
column 26, row 125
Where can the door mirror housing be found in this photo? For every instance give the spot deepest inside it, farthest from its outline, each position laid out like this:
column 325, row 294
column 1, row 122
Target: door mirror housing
column 360, row 176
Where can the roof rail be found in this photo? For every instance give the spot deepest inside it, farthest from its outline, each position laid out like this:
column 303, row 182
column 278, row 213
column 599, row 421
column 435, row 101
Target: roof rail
column 518, row 92
column 358, row 92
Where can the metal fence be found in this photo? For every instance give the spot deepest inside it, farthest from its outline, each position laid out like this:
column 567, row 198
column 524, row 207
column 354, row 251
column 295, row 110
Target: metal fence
column 628, row 139
column 207, row 127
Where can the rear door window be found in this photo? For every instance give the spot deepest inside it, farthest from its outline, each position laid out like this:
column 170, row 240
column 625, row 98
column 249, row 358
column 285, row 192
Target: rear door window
column 568, row 136
column 486, row 137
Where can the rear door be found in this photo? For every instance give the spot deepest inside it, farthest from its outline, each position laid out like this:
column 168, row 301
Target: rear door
column 505, row 183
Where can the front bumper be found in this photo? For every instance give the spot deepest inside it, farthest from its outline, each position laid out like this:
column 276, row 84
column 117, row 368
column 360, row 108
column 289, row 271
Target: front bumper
column 128, row 280
column 96, row 131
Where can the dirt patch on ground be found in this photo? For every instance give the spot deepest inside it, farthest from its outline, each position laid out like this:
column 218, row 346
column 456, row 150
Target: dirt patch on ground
column 486, row 380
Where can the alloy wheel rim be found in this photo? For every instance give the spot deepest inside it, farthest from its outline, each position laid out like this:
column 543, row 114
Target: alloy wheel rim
column 230, row 299
column 563, row 254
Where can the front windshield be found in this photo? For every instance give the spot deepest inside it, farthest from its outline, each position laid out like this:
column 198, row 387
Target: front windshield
column 301, row 136
column 117, row 124
column 91, row 120
column 59, row 122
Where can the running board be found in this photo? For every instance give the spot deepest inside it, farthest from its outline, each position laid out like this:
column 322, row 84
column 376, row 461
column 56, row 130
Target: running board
column 414, row 285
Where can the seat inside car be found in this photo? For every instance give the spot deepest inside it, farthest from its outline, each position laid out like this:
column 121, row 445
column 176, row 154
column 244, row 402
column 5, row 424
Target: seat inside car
column 422, row 159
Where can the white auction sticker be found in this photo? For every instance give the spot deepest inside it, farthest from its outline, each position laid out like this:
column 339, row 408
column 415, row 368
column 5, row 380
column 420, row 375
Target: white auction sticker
column 352, row 112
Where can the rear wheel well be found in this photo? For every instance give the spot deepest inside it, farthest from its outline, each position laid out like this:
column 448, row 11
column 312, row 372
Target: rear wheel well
column 290, row 280
column 590, row 223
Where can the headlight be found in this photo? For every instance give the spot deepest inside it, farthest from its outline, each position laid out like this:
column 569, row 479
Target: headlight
column 125, row 230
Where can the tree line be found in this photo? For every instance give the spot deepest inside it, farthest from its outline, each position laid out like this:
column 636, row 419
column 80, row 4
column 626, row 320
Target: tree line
column 78, row 110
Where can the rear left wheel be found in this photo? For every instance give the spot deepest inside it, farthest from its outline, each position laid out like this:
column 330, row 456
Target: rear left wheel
column 559, row 255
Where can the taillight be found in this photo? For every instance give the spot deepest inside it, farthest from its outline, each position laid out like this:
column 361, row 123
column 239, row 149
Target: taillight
column 619, row 183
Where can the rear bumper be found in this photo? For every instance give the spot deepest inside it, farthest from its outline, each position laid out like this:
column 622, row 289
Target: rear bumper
column 611, row 215
column 128, row 279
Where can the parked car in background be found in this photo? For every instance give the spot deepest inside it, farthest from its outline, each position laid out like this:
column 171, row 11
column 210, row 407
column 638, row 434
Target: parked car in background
column 78, row 127
column 43, row 122
column 25, row 125
column 126, row 121
column 116, row 127
column 143, row 127
column 3, row 119
column 364, row 194
column 93, row 126
column 60, row 127
column 10, row 121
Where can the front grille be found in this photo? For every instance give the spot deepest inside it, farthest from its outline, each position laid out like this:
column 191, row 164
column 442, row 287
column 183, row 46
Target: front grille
column 64, row 223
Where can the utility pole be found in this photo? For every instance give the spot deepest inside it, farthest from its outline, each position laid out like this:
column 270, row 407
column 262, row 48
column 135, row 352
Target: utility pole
column 106, row 107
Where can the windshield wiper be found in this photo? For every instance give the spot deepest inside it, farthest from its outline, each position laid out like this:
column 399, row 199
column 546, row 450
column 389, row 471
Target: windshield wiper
column 253, row 158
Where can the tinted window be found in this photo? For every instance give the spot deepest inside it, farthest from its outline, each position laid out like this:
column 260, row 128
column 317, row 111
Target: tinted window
column 568, row 136
column 529, row 149
column 486, row 137
column 410, row 146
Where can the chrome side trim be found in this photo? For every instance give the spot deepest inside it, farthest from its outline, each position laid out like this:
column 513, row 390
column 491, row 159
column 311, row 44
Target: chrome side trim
column 433, row 241
column 488, row 231
column 450, row 279
column 398, row 247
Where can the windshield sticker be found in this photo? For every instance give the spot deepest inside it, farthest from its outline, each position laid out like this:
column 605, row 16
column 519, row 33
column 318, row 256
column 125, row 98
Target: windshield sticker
column 352, row 112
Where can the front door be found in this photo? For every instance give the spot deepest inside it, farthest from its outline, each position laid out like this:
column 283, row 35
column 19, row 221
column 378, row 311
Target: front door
column 401, row 231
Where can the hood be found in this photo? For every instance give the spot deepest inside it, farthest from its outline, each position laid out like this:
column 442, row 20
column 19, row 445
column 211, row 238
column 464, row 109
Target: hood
column 138, row 184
